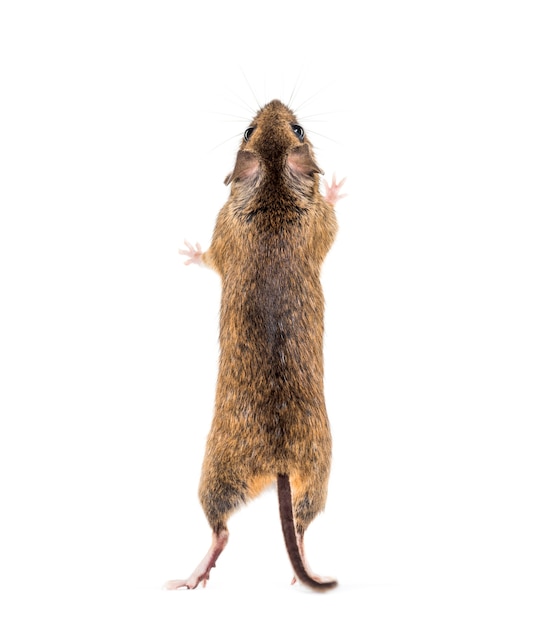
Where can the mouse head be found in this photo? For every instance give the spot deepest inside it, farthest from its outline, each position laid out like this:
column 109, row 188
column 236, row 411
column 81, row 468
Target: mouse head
column 274, row 144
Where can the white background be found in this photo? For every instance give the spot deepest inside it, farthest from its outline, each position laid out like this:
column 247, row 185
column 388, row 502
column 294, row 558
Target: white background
column 119, row 122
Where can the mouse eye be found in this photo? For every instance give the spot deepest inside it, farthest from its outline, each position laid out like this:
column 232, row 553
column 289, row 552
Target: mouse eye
column 298, row 131
column 248, row 133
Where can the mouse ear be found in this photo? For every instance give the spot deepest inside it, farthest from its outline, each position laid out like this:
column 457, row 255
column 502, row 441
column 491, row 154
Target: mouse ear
column 302, row 162
column 246, row 166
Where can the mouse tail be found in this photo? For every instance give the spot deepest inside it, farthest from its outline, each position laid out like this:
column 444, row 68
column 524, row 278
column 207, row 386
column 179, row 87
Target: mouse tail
column 291, row 539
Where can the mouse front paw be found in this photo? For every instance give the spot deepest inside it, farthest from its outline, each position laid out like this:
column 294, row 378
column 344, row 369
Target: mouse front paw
column 193, row 252
column 333, row 191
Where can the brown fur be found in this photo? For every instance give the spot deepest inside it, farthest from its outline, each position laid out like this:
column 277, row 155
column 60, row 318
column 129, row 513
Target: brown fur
column 268, row 246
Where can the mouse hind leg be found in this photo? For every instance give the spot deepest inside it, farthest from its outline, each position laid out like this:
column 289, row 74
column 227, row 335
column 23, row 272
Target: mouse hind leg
column 221, row 493
column 201, row 573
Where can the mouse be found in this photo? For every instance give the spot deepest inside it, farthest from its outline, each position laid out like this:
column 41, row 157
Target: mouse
column 270, row 426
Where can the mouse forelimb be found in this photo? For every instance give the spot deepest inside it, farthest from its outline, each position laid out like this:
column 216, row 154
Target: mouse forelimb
column 333, row 194
column 194, row 253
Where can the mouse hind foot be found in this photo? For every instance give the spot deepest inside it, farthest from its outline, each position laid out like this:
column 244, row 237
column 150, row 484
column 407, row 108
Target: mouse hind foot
column 201, row 573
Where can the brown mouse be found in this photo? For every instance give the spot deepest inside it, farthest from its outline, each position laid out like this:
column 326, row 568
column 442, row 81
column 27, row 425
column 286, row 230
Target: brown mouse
column 270, row 422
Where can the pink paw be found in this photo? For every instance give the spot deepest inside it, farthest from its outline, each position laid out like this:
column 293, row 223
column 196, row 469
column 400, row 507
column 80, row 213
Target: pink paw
column 194, row 253
column 190, row 583
column 332, row 191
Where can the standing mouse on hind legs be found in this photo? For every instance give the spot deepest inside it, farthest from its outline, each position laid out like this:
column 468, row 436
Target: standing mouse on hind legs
column 270, row 422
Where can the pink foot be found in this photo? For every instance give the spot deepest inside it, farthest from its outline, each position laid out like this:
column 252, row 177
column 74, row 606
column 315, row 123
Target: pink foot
column 332, row 191
column 194, row 253
column 201, row 573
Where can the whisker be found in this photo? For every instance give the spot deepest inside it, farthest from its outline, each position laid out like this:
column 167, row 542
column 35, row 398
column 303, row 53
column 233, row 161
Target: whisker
column 309, row 119
column 315, row 95
column 224, row 142
column 236, row 118
column 251, row 89
column 313, row 117
column 239, row 101
column 314, row 132
column 296, row 88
